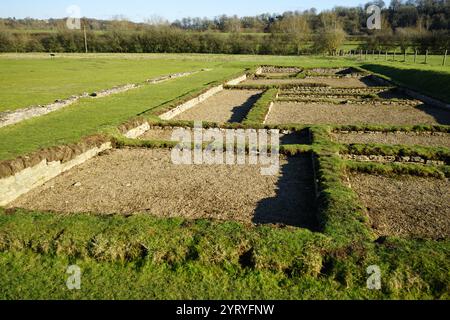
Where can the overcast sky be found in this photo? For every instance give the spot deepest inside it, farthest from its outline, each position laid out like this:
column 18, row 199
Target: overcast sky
column 139, row 10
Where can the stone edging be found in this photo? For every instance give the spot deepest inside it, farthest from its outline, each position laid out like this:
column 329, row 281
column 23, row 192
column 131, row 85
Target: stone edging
column 200, row 98
column 25, row 173
column 268, row 112
column 22, row 182
column 392, row 159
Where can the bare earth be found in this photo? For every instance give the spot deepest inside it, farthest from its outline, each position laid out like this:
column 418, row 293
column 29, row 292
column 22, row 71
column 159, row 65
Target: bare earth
column 226, row 106
column 339, row 82
column 319, row 113
column 404, row 138
column 405, row 206
column 158, row 134
column 165, row 134
column 131, row 181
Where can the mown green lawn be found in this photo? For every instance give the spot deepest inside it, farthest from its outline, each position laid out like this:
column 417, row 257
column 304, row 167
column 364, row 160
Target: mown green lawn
column 30, row 81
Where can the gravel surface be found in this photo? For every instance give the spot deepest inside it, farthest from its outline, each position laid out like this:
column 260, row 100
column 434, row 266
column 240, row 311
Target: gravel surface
column 128, row 181
column 226, row 106
column 404, row 138
column 317, row 113
column 405, row 206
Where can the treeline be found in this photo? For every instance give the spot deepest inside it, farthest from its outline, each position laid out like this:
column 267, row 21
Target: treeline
column 157, row 40
column 421, row 25
column 429, row 15
column 172, row 40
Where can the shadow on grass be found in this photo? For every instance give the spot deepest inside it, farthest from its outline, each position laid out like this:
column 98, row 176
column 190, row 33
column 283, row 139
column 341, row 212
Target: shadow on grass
column 240, row 112
column 294, row 203
column 296, row 137
column 440, row 115
column 431, row 82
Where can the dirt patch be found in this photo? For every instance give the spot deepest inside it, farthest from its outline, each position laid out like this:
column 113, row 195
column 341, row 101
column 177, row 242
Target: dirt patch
column 286, row 137
column 405, row 206
column 164, row 134
column 140, row 180
column 339, row 83
column 316, row 113
column 430, row 139
column 226, row 106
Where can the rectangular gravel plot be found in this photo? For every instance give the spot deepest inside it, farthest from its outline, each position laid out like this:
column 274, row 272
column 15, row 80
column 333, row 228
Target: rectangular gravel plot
column 428, row 139
column 128, row 181
column 406, row 206
column 225, row 106
column 317, row 113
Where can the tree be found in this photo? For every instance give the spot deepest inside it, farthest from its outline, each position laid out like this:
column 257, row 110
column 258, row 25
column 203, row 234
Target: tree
column 6, row 41
column 329, row 40
column 296, row 27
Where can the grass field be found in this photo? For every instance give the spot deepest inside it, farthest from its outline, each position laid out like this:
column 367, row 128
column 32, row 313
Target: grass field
column 25, row 82
column 140, row 256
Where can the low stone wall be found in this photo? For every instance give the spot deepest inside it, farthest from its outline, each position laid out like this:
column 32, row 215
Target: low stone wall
column 25, row 173
column 237, row 80
column 12, row 117
column 268, row 112
column 279, row 69
column 171, row 76
column 202, row 97
column 391, row 159
column 138, row 131
column 191, row 103
column 29, row 178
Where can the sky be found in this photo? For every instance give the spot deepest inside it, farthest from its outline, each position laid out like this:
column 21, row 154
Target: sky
column 139, row 10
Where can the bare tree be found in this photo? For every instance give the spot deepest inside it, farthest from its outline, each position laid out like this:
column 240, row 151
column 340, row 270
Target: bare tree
column 296, row 27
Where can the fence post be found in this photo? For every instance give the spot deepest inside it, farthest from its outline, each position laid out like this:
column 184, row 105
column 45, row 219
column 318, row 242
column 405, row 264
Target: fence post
column 445, row 58
column 379, row 54
column 426, row 57
column 393, row 56
column 415, row 56
column 386, row 55
column 404, row 56
column 366, row 55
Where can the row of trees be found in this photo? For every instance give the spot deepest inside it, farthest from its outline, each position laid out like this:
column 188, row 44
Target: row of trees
column 168, row 40
column 328, row 39
column 416, row 24
column 430, row 15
